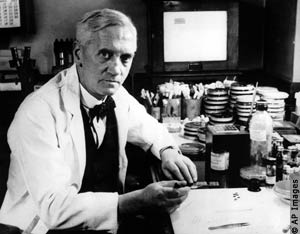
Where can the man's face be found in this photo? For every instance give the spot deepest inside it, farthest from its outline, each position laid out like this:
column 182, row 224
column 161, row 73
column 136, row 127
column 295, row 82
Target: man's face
column 106, row 60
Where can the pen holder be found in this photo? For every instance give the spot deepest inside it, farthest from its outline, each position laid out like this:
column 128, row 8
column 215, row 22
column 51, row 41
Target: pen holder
column 171, row 107
column 191, row 108
column 171, row 114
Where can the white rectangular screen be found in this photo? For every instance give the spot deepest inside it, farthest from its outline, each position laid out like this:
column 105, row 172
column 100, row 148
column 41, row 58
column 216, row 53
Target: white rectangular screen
column 191, row 36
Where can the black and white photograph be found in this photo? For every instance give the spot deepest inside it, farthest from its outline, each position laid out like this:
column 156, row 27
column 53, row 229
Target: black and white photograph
column 149, row 117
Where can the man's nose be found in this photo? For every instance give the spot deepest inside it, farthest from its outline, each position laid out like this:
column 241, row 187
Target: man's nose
column 114, row 66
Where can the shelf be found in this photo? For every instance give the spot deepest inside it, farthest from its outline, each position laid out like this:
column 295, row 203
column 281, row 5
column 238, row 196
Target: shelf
column 196, row 73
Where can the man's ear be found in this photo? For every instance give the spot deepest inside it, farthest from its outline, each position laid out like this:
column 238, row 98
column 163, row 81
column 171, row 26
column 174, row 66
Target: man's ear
column 77, row 53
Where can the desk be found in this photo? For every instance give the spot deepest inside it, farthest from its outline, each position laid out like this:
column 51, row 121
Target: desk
column 204, row 208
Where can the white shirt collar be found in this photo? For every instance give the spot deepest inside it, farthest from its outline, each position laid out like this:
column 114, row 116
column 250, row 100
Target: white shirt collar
column 87, row 99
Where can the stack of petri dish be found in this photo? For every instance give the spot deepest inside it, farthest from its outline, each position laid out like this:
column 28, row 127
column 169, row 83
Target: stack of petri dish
column 239, row 89
column 243, row 108
column 276, row 103
column 221, row 118
column 216, row 101
column 261, row 90
column 202, row 134
column 190, row 130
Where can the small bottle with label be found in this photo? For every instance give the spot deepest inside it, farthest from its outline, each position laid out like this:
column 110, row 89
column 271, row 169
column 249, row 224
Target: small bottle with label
column 280, row 141
column 298, row 155
column 292, row 161
column 279, row 163
column 219, row 162
column 285, row 174
column 285, row 156
column 274, row 148
column 271, row 171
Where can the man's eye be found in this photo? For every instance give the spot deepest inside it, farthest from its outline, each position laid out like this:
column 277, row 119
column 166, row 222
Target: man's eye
column 126, row 58
column 104, row 54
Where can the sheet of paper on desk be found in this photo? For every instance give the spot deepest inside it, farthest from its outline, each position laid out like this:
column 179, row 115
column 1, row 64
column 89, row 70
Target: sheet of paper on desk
column 204, row 208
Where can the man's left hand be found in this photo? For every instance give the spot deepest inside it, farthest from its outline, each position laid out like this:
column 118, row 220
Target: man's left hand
column 176, row 166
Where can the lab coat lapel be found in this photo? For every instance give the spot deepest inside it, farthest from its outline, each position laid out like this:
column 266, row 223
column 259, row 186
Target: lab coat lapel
column 121, row 115
column 71, row 98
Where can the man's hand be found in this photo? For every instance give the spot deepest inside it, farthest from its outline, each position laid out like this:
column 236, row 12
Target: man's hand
column 163, row 195
column 177, row 166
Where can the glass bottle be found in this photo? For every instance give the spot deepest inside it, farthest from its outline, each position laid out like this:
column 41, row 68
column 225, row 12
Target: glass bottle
column 271, row 171
column 260, row 129
column 279, row 163
column 292, row 160
column 286, row 172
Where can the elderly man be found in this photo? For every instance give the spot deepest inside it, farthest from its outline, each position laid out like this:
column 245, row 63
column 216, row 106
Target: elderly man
column 67, row 140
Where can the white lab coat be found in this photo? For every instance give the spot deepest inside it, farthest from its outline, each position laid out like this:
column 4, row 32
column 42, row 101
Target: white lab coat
column 48, row 158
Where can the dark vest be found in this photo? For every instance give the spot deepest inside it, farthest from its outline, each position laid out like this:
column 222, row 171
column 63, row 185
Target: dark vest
column 102, row 164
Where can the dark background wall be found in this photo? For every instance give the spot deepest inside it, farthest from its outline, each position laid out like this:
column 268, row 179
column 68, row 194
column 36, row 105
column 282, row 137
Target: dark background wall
column 56, row 19
column 280, row 38
column 251, row 34
column 266, row 32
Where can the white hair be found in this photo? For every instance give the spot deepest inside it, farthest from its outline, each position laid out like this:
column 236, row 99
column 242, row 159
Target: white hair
column 97, row 20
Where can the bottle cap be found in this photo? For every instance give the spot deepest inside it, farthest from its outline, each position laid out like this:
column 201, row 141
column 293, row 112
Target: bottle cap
column 261, row 105
column 271, row 160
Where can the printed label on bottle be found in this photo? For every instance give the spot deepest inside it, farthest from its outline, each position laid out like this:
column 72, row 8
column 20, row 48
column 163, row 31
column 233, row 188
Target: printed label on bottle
column 258, row 135
column 270, row 174
column 219, row 161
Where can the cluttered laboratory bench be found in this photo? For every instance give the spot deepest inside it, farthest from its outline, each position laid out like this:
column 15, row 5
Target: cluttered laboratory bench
column 249, row 172
column 222, row 200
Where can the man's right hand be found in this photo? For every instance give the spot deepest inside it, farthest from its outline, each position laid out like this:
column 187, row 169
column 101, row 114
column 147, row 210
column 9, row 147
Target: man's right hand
column 164, row 196
column 161, row 195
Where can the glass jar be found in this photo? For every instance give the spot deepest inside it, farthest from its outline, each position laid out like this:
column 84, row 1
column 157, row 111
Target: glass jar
column 219, row 163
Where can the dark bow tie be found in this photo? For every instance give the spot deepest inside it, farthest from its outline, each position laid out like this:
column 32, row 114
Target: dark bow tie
column 99, row 111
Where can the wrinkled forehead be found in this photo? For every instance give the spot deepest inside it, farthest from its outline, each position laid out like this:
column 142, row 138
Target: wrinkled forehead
column 114, row 36
column 123, row 32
